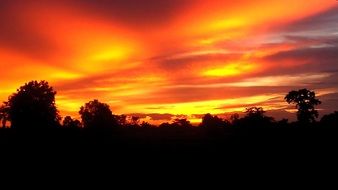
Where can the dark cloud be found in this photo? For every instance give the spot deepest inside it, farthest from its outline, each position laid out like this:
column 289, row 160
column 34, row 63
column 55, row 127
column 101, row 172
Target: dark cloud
column 305, row 60
column 325, row 21
column 329, row 39
column 181, row 95
column 196, row 59
column 314, row 52
column 315, row 42
column 135, row 12
column 273, row 102
column 281, row 114
column 329, row 103
column 154, row 116
column 139, row 115
column 277, row 114
column 17, row 34
column 326, row 54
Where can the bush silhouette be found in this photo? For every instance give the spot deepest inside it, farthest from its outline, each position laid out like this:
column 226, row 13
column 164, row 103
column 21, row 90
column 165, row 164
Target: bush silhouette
column 330, row 120
column 121, row 120
column 257, row 112
column 4, row 115
column 181, row 122
column 305, row 101
column 209, row 120
column 97, row 115
column 254, row 118
column 69, row 122
column 33, row 106
column 255, row 133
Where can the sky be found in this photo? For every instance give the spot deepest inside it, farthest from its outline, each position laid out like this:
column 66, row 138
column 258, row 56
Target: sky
column 172, row 58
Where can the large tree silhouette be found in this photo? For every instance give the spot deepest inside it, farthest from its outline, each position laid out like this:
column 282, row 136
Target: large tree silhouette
column 305, row 101
column 33, row 106
column 97, row 115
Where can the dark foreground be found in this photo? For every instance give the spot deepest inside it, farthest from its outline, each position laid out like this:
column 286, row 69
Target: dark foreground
column 179, row 153
column 179, row 141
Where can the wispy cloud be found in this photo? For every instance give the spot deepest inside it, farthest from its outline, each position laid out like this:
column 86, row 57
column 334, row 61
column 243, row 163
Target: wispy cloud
column 163, row 58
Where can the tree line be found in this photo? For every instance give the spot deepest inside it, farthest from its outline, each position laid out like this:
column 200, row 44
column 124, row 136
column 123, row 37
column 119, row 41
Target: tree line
column 33, row 106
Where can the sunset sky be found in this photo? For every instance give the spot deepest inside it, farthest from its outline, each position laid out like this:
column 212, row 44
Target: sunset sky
column 161, row 58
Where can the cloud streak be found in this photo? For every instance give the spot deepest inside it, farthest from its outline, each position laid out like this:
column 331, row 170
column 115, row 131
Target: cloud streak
column 170, row 57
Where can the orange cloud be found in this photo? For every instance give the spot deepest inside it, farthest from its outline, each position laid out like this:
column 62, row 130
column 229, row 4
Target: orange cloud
column 178, row 56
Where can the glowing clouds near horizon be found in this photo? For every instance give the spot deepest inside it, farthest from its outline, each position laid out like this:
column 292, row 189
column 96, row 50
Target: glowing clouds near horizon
column 231, row 69
column 174, row 57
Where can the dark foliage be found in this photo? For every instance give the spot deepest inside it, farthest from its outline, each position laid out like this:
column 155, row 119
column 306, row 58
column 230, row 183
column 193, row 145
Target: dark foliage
column 4, row 117
column 181, row 123
column 209, row 120
column 69, row 122
column 254, row 118
column 33, row 106
column 97, row 115
column 330, row 120
column 305, row 101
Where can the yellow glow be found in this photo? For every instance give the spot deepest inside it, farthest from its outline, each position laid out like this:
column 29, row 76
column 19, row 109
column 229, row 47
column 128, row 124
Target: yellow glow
column 68, row 106
column 64, row 75
column 227, row 24
column 230, row 70
column 103, row 57
column 194, row 120
column 113, row 54
column 210, row 106
column 130, row 63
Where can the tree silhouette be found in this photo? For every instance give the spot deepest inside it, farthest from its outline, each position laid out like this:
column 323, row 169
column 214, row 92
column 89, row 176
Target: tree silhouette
column 33, row 106
column 145, row 124
column 134, row 121
column 209, row 120
column 254, row 112
column 165, row 125
column 4, row 115
column 330, row 120
column 120, row 119
column 69, row 122
column 254, row 118
column 234, row 118
column 181, row 122
column 97, row 115
column 305, row 101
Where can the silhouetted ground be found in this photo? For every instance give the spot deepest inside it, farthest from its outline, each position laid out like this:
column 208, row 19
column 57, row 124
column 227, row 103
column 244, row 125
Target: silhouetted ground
column 173, row 154
column 283, row 141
